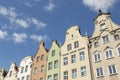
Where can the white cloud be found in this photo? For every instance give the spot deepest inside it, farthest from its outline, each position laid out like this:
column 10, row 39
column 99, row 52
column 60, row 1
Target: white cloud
column 19, row 38
column 39, row 24
column 22, row 23
column 28, row 4
column 50, row 6
column 95, row 5
column 3, row 34
column 39, row 37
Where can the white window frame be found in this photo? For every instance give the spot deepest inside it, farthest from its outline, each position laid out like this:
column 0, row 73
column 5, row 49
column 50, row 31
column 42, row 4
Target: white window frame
column 50, row 66
column 73, row 58
column 74, row 73
column 97, row 57
column 76, row 44
column 49, row 77
column 65, row 76
column 83, row 70
column 100, row 72
column 116, row 36
column 82, row 55
column 55, row 64
column 41, row 78
column 118, row 50
column 109, row 55
column 102, row 26
column 42, row 68
column 69, row 47
column 105, row 39
column 55, row 76
column 65, row 61
column 112, row 66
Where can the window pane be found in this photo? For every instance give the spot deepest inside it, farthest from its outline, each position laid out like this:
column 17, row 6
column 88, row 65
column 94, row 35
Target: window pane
column 73, row 58
column 82, row 56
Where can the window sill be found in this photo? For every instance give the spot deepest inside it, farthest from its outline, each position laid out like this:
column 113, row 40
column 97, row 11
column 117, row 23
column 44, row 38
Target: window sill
column 100, row 76
column 109, row 58
column 98, row 61
column 106, row 42
column 113, row 74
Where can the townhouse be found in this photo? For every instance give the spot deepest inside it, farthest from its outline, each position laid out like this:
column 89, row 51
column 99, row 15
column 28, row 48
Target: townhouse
column 53, row 62
column 25, row 68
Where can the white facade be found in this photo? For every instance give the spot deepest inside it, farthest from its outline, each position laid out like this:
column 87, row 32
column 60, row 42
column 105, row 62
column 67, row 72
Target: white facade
column 25, row 68
column 12, row 73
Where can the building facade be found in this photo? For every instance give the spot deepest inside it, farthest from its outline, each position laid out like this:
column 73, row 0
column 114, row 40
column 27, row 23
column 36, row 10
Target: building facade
column 39, row 64
column 105, row 48
column 25, row 68
column 53, row 62
column 75, row 63
column 2, row 74
column 12, row 73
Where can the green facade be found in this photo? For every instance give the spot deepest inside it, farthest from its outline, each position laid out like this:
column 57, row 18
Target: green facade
column 53, row 62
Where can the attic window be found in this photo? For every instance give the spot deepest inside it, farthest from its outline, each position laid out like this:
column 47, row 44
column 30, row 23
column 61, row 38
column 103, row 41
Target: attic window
column 72, row 35
column 102, row 26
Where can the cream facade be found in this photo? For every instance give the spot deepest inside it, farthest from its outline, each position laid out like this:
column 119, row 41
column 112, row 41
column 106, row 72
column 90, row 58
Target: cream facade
column 25, row 68
column 2, row 74
column 12, row 73
column 75, row 63
column 105, row 48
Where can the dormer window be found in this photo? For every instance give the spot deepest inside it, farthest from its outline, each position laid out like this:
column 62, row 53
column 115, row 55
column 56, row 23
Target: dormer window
column 102, row 26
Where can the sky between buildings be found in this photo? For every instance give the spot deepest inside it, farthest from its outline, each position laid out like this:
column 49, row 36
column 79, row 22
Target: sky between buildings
column 24, row 23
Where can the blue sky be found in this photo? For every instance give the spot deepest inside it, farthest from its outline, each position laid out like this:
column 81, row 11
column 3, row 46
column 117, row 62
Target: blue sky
column 24, row 23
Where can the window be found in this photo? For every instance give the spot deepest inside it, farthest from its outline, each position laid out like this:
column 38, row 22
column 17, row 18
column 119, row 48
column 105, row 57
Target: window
column 35, row 70
column 27, row 77
column 116, row 37
column 42, row 68
column 50, row 77
column 99, row 72
column 65, row 76
column 82, row 56
column 109, row 54
column 23, row 78
column 83, row 71
column 42, row 57
column 53, row 53
column 69, row 47
column 56, row 64
column 55, row 76
column 38, row 58
column 118, row 50
column 22, row 69
column 102, row 26
column 10, row 74
column 112, row 69
column 41, row 78
column 105, row 39
column 96, row 44
column 74, row 73
column 26, row 68
column 73, row 58
column 49, row 65
column 76, row 44
column 97, row 57
column 65, row 60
